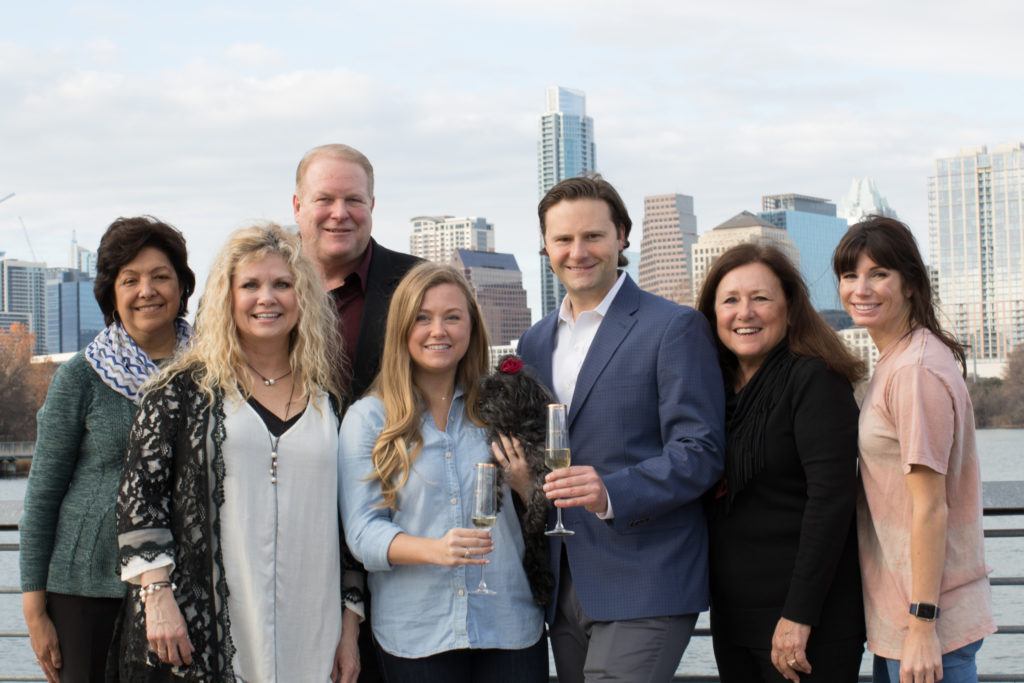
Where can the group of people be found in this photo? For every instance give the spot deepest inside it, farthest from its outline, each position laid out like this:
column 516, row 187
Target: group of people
column 285, row 492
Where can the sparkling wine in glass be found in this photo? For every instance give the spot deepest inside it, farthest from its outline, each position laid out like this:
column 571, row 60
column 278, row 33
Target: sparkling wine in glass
column 485, row 511
column 556, row 455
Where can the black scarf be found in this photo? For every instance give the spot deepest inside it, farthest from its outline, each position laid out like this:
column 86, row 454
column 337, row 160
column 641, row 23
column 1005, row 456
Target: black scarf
column 745, row 422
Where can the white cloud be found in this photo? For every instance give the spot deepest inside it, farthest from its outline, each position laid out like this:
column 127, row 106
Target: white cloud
column 254, row 54
column 724, row 101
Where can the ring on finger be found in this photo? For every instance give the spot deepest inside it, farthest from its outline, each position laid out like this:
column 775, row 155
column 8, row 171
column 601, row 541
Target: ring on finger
column 467, row 553
column 791, row 662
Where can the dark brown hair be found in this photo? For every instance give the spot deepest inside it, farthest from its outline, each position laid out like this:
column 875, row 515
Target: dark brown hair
column 890, row 244
column 808, row 333
column 591, row 186
column 123, row 241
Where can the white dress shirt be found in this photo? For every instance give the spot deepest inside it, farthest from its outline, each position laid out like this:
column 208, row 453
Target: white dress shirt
column 572, row 342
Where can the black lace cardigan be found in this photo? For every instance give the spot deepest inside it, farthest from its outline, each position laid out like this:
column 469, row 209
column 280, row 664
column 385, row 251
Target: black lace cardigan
column 168, row 504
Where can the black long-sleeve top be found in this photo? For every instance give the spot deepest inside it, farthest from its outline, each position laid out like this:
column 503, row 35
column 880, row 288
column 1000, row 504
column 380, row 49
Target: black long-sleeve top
column 788, row 546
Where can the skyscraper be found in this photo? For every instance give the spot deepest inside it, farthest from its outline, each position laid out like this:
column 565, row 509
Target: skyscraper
column 976, row 240
column 81, row 258
column 565, row 149
column 743, row 227
column 73, row 317
column 669, row 233
column 435, row 237
column 862, row 200
column 498, row 285
column 812, row 224
column 22, row 290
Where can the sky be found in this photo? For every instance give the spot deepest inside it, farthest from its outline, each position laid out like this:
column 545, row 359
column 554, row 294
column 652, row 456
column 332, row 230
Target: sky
column 198, row 112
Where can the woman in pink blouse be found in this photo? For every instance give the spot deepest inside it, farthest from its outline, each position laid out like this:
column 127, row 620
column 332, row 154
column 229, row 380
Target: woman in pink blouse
column 926, row 588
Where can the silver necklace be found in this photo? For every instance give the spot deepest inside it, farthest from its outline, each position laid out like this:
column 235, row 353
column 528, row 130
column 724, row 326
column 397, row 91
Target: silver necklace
column 267, row 380
column 275, row 439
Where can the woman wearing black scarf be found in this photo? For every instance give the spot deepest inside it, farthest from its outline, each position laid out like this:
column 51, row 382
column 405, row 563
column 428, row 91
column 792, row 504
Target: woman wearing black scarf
column 785, row 585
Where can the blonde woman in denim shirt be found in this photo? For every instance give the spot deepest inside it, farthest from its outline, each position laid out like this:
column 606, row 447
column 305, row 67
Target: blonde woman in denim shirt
column 408, row 452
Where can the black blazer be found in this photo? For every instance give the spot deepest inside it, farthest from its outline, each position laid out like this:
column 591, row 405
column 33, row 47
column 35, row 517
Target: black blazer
column 387, row 268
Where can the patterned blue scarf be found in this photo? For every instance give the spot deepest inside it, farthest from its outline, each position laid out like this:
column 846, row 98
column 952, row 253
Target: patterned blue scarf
column 121, row 364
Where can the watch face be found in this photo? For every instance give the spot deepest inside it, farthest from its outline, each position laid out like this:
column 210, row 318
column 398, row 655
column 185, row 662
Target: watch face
column 925, row 611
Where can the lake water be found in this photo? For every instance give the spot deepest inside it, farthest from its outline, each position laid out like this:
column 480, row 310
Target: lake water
column 1002, row 459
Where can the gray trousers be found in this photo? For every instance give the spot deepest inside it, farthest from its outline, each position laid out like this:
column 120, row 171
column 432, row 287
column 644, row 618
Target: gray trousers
column 632, row 651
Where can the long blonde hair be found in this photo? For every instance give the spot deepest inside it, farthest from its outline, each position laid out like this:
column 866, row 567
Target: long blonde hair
column 400, row 441
column 215, row 357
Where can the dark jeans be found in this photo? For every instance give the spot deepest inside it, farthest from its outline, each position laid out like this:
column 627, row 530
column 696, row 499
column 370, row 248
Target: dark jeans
column 84, row 628
column 529, row 665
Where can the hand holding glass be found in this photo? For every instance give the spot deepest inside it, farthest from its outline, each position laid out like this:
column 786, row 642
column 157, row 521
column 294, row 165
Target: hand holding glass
column 557, row 454
column 485, row 511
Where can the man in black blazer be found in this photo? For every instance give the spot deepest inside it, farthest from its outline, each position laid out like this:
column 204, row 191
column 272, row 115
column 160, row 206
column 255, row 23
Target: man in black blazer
column 333, row 205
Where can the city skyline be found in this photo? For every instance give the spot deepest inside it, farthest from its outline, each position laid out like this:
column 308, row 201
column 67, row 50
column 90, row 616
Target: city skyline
column 106, row 115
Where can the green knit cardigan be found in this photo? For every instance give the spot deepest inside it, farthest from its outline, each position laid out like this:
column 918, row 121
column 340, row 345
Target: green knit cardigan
column 68, row 536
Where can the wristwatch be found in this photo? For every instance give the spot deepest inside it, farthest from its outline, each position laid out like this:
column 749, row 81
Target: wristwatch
column 925, row 611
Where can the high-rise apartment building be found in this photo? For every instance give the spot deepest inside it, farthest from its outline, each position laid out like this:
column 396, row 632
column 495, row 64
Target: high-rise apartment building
column 73, row 317
column 812, row 224
column 81, row 258
column 565, row 149
column 743, row 227
column 498, row 285
column 435, row 238
column 976, row 241
column 669, row 233
column 23, row 290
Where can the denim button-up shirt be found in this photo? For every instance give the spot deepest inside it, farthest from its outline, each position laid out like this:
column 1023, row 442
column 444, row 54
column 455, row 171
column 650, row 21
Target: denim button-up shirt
column 421, row 610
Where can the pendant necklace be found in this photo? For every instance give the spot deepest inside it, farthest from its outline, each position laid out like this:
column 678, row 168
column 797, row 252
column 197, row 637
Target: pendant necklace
column 275, row 439
column 267, row 380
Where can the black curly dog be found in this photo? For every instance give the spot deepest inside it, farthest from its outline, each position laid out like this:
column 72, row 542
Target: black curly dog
column 514, row 404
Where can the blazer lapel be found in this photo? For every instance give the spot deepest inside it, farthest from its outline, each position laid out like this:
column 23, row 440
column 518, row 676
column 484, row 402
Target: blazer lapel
column 546, row 329
column 612, row 331
column 379, row 284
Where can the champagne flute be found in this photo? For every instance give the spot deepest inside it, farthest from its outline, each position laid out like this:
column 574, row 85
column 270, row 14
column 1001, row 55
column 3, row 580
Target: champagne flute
column 485, row 511
column 556, row 455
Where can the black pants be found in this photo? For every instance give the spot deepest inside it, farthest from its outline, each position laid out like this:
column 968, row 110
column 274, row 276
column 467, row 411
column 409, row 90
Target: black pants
column 84, row 627
column 831, row 662
column 529, row 665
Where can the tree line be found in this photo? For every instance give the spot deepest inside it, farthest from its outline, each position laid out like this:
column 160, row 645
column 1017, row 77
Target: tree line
column 23, row 384
column 999, row 402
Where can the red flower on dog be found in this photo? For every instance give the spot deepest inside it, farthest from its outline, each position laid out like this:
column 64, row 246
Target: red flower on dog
column 511, row 366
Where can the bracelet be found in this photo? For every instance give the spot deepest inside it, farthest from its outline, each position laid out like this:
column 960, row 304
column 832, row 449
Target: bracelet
column 150, row 588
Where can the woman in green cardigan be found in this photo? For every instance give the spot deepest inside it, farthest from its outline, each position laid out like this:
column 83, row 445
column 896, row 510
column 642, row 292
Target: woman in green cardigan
column 71, row 589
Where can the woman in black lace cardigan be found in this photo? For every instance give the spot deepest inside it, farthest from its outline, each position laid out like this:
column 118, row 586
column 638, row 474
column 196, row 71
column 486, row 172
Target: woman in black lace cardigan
column 227, row 513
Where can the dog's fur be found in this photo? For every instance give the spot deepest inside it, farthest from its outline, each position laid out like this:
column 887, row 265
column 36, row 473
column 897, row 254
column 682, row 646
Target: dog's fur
column 515, row 405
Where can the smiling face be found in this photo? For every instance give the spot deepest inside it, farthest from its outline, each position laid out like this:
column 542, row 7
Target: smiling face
column 751, row 314
column 441, row 332
column 334, row 210
column 583, row 245
column 147, row 296
column 264, row 304
column 876, row 298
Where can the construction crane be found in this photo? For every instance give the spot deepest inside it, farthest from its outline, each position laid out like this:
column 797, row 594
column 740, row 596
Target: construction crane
column 23, row 228
column 30, row 249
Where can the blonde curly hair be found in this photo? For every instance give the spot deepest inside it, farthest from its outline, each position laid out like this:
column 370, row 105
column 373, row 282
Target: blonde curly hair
column 215, row 358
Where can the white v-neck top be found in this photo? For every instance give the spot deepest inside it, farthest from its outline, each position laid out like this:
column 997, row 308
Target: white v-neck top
column 281, row 545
